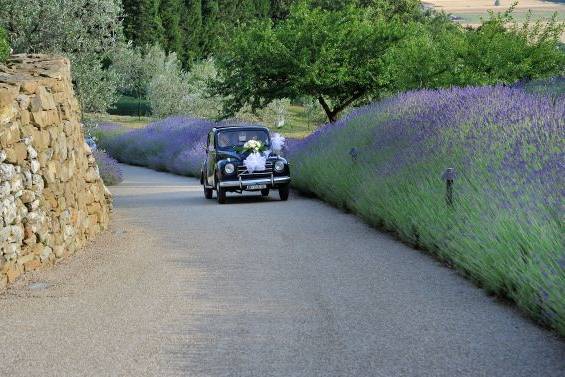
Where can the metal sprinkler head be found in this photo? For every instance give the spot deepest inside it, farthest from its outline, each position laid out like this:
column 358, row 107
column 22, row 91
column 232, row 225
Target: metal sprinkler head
column 449, row 174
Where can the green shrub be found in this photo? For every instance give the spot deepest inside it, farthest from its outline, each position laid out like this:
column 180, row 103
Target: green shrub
column 4, row 45
column 131, row 106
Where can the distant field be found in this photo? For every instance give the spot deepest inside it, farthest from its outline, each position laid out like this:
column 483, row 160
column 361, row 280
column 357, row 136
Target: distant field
column 470, row 12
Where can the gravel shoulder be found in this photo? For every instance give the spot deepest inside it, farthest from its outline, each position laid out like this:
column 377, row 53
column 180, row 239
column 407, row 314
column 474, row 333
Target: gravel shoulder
column 182, row 286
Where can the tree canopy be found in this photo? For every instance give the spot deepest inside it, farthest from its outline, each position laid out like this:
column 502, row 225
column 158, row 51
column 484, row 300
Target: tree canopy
column 348, row 55
column 85, row 31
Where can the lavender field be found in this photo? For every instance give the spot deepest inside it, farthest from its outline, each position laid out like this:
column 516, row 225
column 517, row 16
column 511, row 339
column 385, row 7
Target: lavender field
column 505, row 227
column 174, row 144
column 385, row 162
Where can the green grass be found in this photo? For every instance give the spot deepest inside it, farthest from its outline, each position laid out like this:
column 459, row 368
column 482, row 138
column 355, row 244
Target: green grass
column 131, row 106
column 297, row 125
column 123, row 120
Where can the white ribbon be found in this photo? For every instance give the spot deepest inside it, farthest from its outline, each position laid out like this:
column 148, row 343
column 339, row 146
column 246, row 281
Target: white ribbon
column 255, row 162
column 277, row 142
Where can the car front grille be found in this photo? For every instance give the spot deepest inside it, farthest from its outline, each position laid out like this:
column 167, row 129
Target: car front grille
column 242, row 171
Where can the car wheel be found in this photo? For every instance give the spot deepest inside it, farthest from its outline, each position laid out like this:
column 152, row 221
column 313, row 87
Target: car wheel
column 220, row 194
column 284, row 190
column 208, row 192
column 265, row 192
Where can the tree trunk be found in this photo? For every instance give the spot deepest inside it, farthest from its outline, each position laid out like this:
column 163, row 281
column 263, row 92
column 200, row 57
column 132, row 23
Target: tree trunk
column 331, row 114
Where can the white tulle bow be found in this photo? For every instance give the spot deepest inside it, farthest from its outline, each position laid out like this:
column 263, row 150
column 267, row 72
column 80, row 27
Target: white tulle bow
column 277, row 142
column 255, row 162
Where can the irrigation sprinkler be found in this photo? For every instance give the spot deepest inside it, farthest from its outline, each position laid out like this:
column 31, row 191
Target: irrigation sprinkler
column 354, row 153
column 449, row 176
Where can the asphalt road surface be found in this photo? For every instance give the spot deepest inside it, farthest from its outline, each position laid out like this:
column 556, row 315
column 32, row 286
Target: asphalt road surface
column 182, row 286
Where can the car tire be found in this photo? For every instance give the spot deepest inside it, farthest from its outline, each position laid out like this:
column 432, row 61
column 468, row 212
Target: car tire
column 284, row 190
column 220, row 194
column 265, row 192
column 208, row 192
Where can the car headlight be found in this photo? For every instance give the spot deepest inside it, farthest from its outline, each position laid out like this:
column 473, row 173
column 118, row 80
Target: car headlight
column 229, row 168
column 279, row 166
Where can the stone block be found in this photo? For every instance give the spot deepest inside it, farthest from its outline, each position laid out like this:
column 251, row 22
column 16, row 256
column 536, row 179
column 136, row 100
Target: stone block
column 25, row 117
column 59, row 251
column 45, row 118
column 17, row 153
column 32, row 265
column 13, row 272
column 9, row 135
column 29, row 87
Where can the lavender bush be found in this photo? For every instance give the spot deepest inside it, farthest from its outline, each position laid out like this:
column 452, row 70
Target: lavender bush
column 174, row 144
column 507, row 147
column 110, row 171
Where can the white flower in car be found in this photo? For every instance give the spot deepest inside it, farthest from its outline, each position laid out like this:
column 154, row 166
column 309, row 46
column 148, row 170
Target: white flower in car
column 253, row 145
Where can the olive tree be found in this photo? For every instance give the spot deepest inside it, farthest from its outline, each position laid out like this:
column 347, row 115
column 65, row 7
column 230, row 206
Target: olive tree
column 86, row 31
column 4, row 46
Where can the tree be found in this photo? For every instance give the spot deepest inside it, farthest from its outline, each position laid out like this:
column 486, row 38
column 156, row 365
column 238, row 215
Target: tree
column 85, row 31
column 4, row 45
column 170, row 14
column 128, row 64
column 262, row 8
column 333, row 56
column 191, row 28
column 142, row 22
column 352, row 55
column 280, row 9
column 167, row 88
column 498, row 52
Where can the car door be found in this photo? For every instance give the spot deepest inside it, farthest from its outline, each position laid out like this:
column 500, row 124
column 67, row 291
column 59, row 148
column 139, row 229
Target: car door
column 211, row 159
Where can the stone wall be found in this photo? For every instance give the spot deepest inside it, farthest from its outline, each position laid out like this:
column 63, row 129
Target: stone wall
column 52, row 199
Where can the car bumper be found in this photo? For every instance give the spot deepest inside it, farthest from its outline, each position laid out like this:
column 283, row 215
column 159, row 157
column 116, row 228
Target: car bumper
column 243, row 183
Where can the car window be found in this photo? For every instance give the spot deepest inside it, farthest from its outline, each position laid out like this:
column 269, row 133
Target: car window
column 235, row 138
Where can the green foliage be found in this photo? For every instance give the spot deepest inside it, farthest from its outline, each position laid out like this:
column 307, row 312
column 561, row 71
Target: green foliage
column 348, row 55
column 441, row 55
column 83, row 30
column 168, row 88
column 280, row 9
column 142, row 23
column 128, row 63
column 96, row 87
column 314, row 52
column 170, row 12
column 4, row 45
column 191, row 28
column 131, row 106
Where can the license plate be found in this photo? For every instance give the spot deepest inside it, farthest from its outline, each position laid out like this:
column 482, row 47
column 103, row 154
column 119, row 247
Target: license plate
column 256, row 187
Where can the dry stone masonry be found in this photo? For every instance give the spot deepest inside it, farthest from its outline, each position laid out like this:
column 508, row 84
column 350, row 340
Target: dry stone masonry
column 52, row 199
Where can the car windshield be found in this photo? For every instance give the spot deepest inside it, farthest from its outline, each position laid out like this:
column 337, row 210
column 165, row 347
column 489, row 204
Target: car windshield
column 235, row 138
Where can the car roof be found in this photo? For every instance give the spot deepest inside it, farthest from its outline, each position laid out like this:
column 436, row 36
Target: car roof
column 227, row 127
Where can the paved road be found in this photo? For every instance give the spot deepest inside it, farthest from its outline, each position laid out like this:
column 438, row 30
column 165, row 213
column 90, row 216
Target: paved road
column 181, row 286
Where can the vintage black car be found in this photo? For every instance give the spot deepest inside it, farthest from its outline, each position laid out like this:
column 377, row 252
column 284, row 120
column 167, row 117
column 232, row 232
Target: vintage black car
column 224, row 169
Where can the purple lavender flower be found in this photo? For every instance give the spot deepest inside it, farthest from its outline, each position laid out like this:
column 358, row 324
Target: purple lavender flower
column 110, row 171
